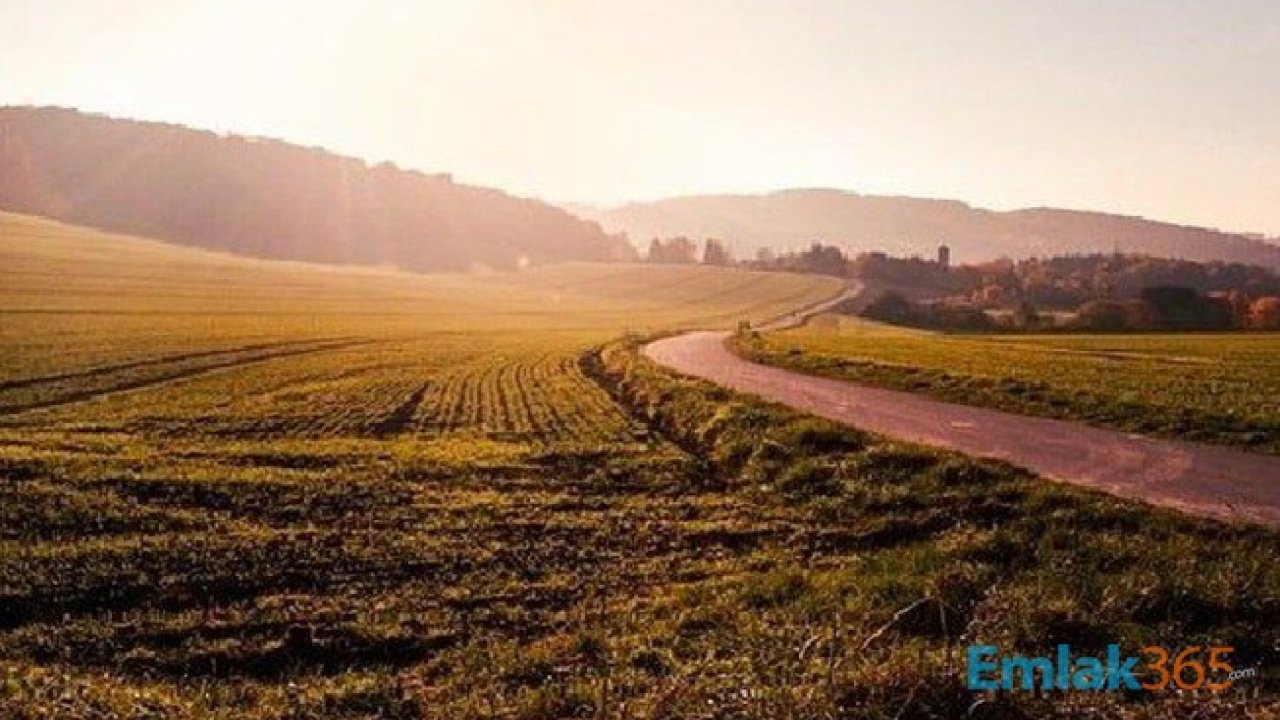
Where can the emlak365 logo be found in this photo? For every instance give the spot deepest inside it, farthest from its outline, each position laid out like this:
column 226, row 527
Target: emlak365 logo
column 1155, row 668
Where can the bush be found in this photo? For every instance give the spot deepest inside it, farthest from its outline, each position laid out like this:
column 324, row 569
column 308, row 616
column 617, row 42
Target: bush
column 819, row 437
column 806, row 478
column 1102, row 315
column 892, row 308
column 1181, row 308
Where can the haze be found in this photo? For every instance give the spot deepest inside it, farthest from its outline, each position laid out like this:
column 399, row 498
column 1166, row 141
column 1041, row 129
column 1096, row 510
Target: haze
column 1166, row 109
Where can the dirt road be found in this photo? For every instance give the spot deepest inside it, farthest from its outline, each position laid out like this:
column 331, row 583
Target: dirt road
column 1200, row 479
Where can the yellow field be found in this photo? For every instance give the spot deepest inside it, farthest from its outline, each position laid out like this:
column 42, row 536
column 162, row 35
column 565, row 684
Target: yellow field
column 74, row 300
column 221, row 449
column 242, row 489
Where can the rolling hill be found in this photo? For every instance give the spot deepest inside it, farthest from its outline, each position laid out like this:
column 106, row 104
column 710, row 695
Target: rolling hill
column 54, row 270
column 270, row 199
column 790, row 219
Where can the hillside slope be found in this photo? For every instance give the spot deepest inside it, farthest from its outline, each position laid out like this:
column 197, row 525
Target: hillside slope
column 52, row 269
column 270, row 199
column 794, row 218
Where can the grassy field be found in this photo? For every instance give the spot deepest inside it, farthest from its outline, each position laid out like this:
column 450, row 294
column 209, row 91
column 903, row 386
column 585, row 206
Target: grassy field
column 1219, row 387
column 232, row 488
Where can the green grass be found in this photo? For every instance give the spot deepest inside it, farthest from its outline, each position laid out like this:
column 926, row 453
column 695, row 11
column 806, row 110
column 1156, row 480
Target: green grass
column 232, row 488
column 1220, row 388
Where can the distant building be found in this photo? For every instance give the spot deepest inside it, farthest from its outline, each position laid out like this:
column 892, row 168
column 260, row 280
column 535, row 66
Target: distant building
column 944, row 256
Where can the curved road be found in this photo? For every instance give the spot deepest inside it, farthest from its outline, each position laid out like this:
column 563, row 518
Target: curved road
column 1205, row 480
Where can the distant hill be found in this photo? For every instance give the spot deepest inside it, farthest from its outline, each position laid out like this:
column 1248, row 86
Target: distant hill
column 902, row 225
column 270, row 199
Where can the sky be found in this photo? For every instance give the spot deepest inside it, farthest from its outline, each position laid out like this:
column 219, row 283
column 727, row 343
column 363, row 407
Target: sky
column 1166, row 109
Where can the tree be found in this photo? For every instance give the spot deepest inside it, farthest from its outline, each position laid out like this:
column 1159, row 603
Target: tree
column 674, row 251
column 715, row 253
column 655, row 251
column 824, row 260
column 1140, row 315
column 1102, row 315
column 891, row 307
column 1183, row 308
column 682, row 250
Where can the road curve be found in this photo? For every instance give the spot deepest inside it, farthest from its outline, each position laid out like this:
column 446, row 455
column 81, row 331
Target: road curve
column 1204, row 480
column 852, row 290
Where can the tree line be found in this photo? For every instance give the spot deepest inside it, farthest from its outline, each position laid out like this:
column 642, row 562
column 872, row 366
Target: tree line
column 682, row 250
column 1090, row 292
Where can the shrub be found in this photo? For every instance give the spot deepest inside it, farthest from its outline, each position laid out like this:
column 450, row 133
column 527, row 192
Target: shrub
column 1102, row 315
column 806, row 478
column 819, row 437
column 891, row 307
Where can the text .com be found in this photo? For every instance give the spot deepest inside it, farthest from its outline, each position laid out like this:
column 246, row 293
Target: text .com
column 1154, row 668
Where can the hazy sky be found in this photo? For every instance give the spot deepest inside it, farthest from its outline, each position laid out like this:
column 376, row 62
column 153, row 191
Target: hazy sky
column 1169, row 109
